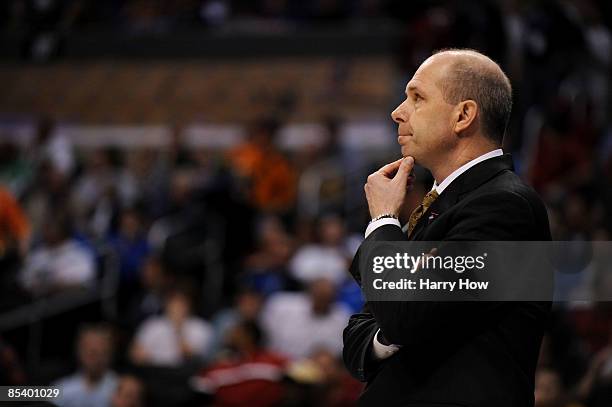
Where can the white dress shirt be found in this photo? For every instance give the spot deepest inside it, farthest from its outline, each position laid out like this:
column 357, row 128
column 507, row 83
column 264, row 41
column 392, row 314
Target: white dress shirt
column 76, row 392
column 384, row 351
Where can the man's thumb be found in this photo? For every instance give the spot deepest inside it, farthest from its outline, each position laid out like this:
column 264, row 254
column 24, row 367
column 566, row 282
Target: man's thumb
column 404, row 170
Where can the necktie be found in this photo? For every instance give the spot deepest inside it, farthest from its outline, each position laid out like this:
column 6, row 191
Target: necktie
column 421, row 209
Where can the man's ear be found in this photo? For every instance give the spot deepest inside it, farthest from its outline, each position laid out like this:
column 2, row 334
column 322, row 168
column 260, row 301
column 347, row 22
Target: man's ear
column 465, row 114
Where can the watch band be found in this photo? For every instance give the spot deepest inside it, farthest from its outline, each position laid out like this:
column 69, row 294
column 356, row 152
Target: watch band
column 384, row 216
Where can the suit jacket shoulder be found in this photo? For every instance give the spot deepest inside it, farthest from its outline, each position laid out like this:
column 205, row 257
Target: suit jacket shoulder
column 487, row 202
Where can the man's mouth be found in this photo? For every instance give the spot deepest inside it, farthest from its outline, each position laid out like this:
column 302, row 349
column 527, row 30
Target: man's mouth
column 403, row 135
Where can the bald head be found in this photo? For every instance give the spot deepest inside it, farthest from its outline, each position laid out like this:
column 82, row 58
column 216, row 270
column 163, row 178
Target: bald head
column 470, row 75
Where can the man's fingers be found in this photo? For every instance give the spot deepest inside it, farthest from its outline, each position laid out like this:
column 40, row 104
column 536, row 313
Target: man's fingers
column 390, row 169
column 404, row 170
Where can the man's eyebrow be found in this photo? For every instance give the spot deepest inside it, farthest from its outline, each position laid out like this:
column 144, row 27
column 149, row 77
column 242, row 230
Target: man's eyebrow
column 412, row 88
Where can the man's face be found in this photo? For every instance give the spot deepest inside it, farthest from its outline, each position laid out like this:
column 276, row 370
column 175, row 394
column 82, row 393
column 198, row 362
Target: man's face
column 322, row 293
column 425, row 126
column 178, row 307
column 94, row 353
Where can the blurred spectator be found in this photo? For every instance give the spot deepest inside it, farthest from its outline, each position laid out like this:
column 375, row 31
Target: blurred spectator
column 322, row 380
column 248, row 375
column 178, row 154
column 131, row 246
column 175, row 338
column 144, row 178
column 321, row 186
column 180, row 235
column 177, row 217
column 59, row 263
column 148, row 300
column 349, row 294
column 595, row 388
column 136, row 175
column 563, row 150
column 562, row 350
column 53, row 147
column 592, row 324
column 296, row 324
column 329, row 258
column 266, row 270
column 269, row 177
column 96, row 198
column 14, row 227
column 46, row 197
column 247, row 307
column 11, row 371
column 16, row 170
column 130, row 392
column 95, row 383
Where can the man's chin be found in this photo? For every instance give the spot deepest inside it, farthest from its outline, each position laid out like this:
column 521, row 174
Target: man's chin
column 408, row 153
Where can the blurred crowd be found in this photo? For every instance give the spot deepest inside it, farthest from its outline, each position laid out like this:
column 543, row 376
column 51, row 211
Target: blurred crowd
column 230, row 270
column 220, row 282
column 227, row 270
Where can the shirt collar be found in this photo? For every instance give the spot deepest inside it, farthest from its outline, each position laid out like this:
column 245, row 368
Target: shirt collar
column 447, row 181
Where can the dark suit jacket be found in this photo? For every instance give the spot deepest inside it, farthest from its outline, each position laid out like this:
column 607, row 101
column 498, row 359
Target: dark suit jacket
column 472, row 354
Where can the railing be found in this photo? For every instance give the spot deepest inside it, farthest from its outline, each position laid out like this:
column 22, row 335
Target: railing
column 34, row 314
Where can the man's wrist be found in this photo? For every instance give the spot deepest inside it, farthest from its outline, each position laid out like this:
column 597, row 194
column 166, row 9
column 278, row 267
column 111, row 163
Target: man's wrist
column 372, row 226
column 388, row 215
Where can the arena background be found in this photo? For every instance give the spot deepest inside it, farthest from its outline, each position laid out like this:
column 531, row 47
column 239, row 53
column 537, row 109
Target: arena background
column 197, row 166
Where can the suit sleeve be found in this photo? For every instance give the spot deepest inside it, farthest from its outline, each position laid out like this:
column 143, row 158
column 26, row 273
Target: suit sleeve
column 358, row 336
column 491, row 217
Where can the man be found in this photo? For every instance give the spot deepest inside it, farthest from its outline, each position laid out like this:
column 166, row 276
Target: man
column 60, row 264
column 296, row 324
column 471, row 354
column 95, row 383
column 175, row 338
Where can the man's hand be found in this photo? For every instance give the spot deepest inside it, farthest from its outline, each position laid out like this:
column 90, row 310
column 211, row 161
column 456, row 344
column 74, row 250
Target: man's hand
column 386, row 188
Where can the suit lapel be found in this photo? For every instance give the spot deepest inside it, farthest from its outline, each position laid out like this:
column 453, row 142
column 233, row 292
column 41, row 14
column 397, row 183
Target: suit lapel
column 462, row 185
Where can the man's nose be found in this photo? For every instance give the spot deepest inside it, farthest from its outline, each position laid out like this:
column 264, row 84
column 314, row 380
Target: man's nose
column 397, row 115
